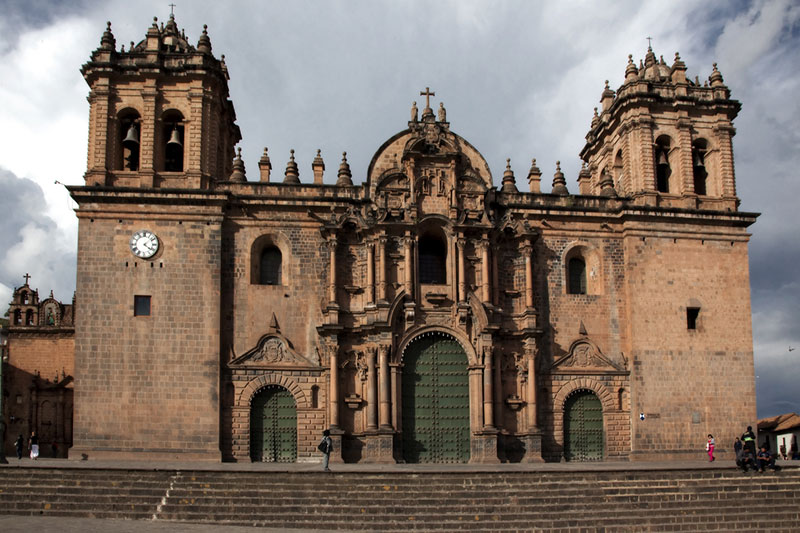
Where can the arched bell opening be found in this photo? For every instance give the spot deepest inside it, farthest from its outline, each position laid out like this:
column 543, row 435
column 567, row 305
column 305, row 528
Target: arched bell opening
column 129, row 133
column 699, row 169
column 172, row 135
column 663, row 167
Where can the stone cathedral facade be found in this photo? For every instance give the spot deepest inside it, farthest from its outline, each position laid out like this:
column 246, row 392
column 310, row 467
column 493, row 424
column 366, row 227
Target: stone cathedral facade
column 421, row 312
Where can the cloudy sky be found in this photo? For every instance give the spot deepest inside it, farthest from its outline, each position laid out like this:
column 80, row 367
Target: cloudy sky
column 519, row 79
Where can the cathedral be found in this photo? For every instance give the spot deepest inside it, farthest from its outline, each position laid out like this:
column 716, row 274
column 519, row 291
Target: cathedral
column 417, row 309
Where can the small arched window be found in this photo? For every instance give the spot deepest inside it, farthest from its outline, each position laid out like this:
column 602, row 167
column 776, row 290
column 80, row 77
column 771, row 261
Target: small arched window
column 173, row 138
column 29, row 318
column 270, row 266
column 18, row 317
column 576, row 276
column 699, row 172
column 26, row 298
column 663, row 169
column 432, row 260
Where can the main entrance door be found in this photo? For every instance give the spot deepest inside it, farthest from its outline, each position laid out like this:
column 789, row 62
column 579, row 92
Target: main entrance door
column 435, row 401
column 583, row 427
column 273, row 426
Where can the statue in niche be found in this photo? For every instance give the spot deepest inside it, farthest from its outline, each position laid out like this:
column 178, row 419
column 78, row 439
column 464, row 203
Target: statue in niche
column 361, row 365
column 51, row 321
column 442, row 184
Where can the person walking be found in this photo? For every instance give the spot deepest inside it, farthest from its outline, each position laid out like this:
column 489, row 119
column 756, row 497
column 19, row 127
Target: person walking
column 326, row 447
column 33, row 444
column 710, row 447
column 19, row 444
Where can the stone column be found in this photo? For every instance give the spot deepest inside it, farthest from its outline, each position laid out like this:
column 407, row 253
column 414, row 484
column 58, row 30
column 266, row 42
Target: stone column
column 495, row 279
column 485, row 282
column 332, row 280
column 488, row 386
column 461, row 270
column 333, row 397
column 385, row 403
column 372, row 397
column 527, row 251
column 382, row 268
column 409, row 280
column 397, row 370
column 530, row 359
column 684, row 164
column 370, row 273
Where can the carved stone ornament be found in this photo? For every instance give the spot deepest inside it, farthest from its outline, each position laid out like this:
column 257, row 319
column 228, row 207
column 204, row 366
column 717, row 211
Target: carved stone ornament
column 273, row 349
column 585, row 354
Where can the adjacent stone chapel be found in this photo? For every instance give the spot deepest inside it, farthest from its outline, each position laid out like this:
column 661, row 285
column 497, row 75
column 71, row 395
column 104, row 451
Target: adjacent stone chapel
column 422, row 312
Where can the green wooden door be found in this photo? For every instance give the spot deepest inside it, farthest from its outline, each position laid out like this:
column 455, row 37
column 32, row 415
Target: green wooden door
column 583, row 427
column 273, row 426
column 435, row 402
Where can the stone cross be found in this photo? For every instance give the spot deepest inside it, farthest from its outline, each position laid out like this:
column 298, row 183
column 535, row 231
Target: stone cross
column 27, row 277
column 427, row 94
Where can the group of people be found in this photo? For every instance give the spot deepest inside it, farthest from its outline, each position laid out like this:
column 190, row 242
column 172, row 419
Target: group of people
column 33, row 446
column 747, row 458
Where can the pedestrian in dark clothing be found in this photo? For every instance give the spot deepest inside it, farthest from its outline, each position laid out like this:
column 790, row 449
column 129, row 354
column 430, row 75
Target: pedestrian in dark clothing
column 749, row 439
column 19, row 444
column 737, row 446
column 745, row 460
column 326, row 447
column 765, row 459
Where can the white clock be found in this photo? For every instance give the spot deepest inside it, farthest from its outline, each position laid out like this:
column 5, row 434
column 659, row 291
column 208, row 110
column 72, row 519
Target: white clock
column 144, row 244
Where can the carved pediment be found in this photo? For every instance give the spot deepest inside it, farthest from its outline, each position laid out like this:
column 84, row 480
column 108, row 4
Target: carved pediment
column 272, row 349
column 585, row 355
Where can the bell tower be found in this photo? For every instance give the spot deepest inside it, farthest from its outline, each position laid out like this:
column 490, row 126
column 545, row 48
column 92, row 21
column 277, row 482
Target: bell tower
column 664, row 139
column 160, row 113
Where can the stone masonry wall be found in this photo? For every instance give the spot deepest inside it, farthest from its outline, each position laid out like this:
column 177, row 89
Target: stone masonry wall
column 148, row 384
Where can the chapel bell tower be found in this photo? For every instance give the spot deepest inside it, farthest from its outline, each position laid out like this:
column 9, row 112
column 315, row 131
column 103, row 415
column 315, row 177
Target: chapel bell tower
column 663, row 139
column 160, row 113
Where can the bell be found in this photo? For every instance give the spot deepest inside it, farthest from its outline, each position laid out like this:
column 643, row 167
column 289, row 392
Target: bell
column 175, row 137
column 132, row 138
column 662, row 158
column 698, row 159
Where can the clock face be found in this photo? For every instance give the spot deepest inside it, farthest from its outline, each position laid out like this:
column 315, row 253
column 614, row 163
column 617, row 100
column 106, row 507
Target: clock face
column 144, row 244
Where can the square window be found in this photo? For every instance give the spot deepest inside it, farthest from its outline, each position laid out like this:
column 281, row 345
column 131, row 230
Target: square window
column 141, row 306
column 691, row 317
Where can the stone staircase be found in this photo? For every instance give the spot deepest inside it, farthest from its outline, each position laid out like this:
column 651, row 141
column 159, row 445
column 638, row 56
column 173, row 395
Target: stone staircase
column 642, row 500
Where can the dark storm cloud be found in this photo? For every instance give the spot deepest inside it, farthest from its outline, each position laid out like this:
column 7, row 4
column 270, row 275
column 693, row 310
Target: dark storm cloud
column 31, row 242
column 20, row 16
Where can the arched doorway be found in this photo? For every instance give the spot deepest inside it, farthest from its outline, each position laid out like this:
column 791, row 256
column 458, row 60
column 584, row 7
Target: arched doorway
column 583, row 427
column 435, row 401
column 273, row 426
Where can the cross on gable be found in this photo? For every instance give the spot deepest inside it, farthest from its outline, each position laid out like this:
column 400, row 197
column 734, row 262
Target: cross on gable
column 427, row 94
column 172, row 9
column 27, row 277
column 649, row 43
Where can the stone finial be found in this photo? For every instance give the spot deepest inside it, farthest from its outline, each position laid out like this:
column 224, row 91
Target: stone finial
column 607, row 185
column 264, row 166
column 678, row 70
column 582, row 330
column 509, row 182
column 273, row 325
column 414, row 112
column 204, row 43
column 292, row 175
column 716, row 78
column 238, row 168
column 607, row 98
column 535, row 178
column 107, row 42
column 559, row 183
column 584, row 179
column 442, row 113
column 595, row 118
column 631, row 72
column 224, row 67
column 345, row 178
column 318, row 167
